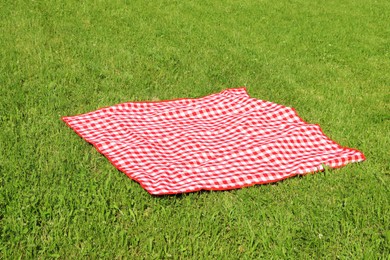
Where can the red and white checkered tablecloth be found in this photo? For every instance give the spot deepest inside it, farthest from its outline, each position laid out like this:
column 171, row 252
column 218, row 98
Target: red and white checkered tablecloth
column 222, row 141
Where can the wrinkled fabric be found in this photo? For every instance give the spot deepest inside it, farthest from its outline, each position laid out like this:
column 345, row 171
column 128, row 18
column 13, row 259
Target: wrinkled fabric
column 222, row 141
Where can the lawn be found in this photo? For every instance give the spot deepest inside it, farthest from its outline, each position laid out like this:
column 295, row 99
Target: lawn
column 60, row 198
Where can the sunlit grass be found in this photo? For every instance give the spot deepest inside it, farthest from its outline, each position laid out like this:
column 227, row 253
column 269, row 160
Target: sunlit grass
column 60, row 198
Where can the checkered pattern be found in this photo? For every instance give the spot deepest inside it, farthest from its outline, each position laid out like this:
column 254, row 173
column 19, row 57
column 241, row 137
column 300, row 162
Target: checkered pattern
column 222, row 141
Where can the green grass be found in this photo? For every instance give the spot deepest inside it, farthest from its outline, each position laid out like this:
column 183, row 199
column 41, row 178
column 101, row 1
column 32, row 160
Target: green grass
column 60, row 198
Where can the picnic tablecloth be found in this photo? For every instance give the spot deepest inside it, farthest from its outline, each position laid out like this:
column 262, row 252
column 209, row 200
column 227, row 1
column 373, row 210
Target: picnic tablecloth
column 223, row 141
